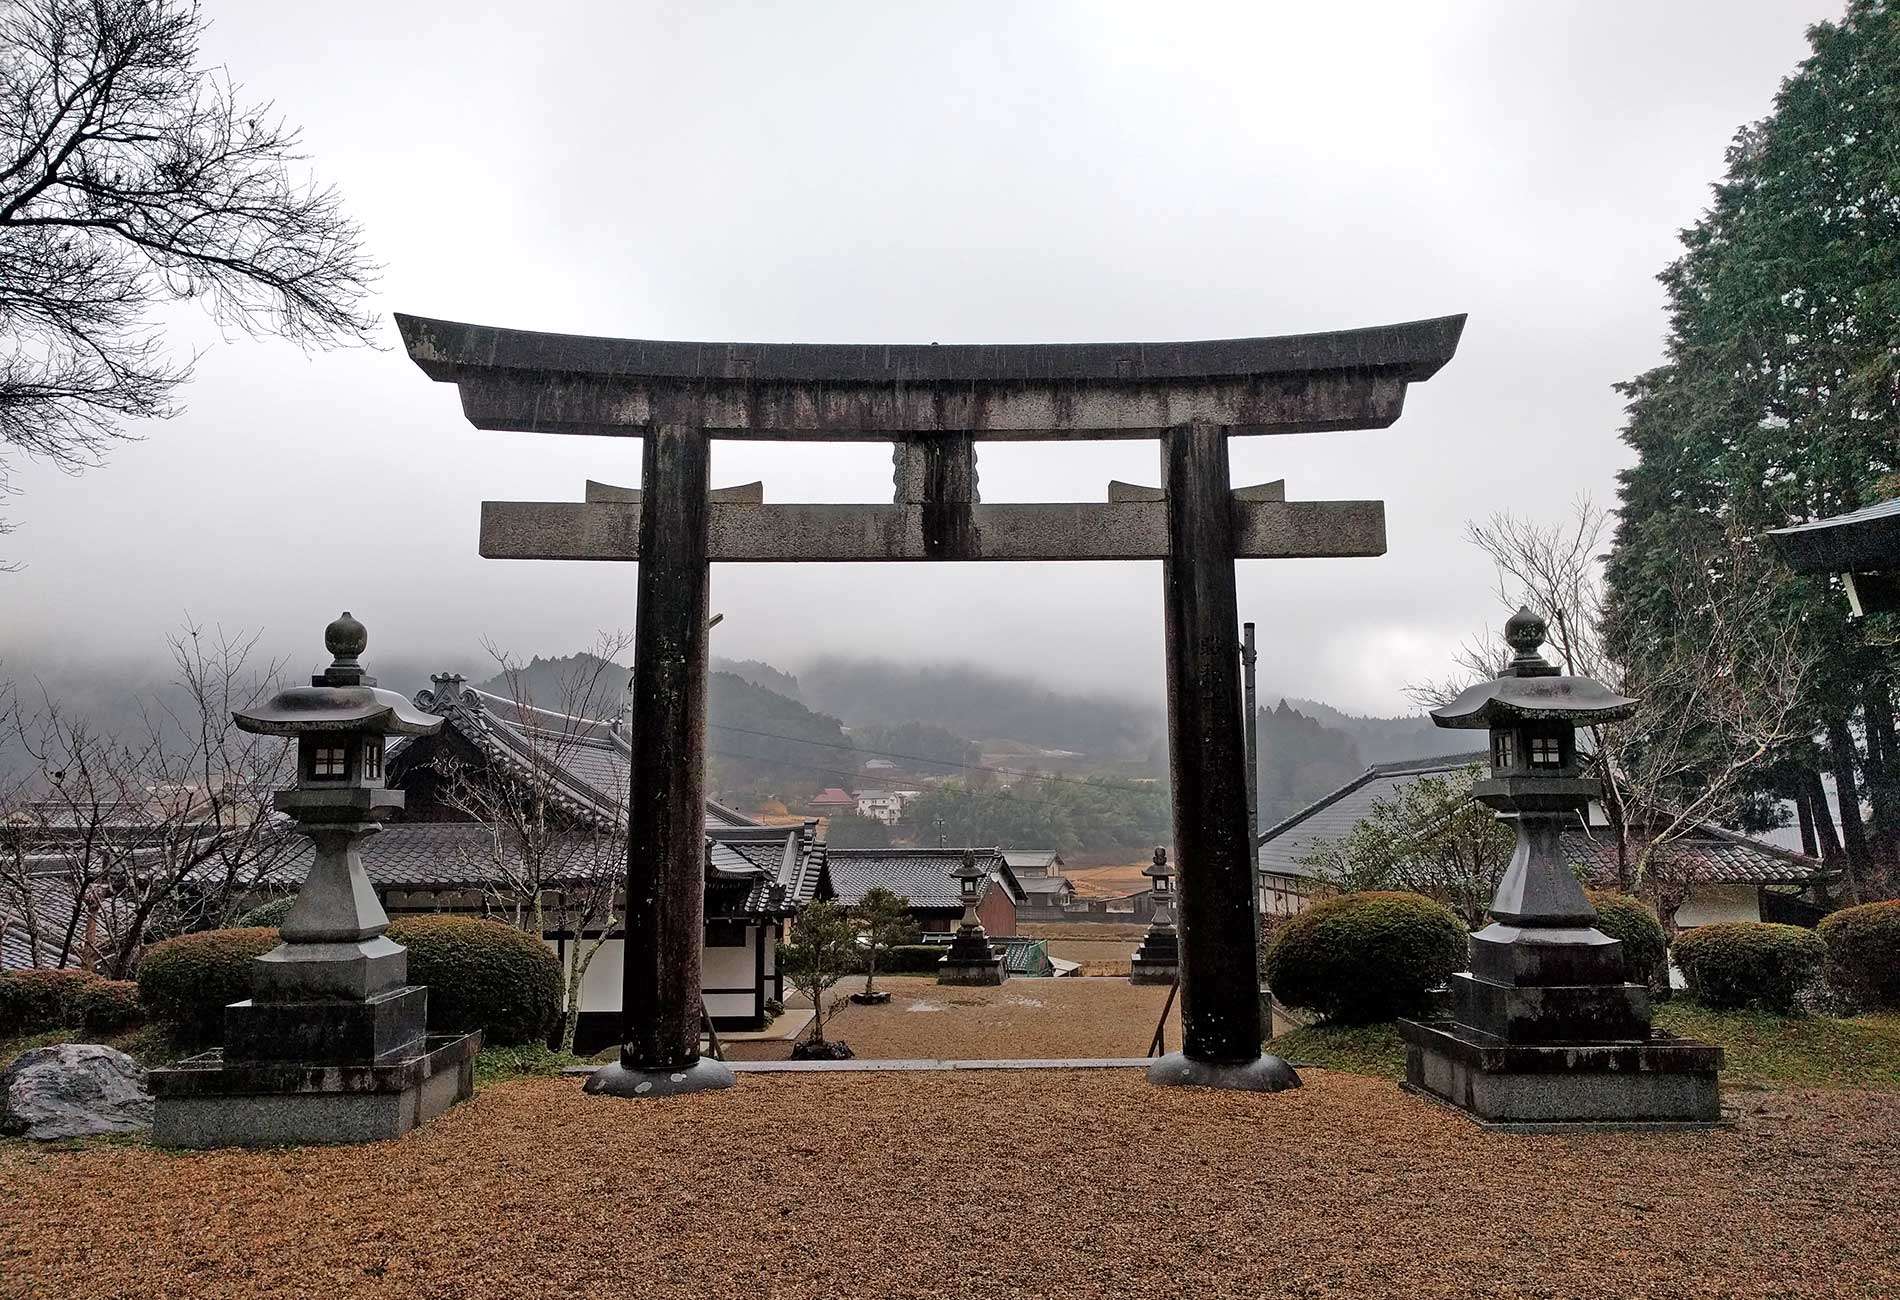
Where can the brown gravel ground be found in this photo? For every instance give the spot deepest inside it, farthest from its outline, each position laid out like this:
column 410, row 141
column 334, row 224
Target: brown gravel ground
column 1058, row 1185
column 1014, row 1020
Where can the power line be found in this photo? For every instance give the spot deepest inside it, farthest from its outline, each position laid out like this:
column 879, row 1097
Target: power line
column 919, row 758
column 833, row 771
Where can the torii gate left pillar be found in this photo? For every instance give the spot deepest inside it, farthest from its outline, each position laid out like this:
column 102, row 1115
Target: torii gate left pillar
column 934, row 403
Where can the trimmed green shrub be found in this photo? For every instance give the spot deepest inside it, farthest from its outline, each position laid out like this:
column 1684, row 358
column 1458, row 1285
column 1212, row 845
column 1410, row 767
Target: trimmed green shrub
column 1645, row 942
column 1367, row 957
column 110, row 1006
column 188, row 981
column 271, row 914
column 1863, row 954
column 483, row 975
column 1749, row 963
column 34, row 1001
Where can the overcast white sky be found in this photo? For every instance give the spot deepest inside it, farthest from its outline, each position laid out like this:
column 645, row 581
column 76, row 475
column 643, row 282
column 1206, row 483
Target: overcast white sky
column 914, row 172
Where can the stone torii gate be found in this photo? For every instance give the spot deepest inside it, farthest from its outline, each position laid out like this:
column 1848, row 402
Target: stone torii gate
column 934, row 402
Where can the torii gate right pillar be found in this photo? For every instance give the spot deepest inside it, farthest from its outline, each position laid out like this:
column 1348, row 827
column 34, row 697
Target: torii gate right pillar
column 1221, row 1029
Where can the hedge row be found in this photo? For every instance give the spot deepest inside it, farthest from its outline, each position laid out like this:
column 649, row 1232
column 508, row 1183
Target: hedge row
column 1749, row 963
column 481, row 975
column 36, row 1001
column 1863, row 954
column 1645, row 942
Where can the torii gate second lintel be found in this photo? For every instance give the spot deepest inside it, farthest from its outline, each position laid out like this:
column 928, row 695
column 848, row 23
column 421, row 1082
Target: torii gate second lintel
column 935, row 403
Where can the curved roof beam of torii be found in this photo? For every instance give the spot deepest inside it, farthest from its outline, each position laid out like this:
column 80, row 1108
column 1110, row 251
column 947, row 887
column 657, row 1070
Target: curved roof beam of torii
column 569, row 383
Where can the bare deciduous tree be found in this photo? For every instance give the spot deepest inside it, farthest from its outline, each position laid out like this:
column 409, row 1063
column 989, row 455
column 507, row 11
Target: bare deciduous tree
column 131, row 176
column 113, row 841
column 554, row 857
column 1714, row 708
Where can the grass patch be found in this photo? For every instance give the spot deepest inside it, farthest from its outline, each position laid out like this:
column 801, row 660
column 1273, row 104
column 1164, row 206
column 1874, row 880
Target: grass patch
column 150, row 1045
column 524, row 1061
column 1773, row 1051
column 1376, row 1050
column 1763, row 1050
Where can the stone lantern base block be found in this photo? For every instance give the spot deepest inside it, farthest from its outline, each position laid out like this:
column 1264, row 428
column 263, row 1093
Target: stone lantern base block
column 971, row 970
column 323, row 1032
column 620, row 1080
column 1660, row 1081
column 1265, row 1073
column 1149, row 970
column 295, row 971
column 206, row 1101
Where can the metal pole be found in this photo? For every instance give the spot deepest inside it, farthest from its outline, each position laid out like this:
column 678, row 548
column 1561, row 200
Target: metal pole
column 1247, row 660
column 1220, row 1001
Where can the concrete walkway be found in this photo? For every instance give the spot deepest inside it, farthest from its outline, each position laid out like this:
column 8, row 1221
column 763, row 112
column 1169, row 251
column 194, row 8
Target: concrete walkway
column 919, row 1064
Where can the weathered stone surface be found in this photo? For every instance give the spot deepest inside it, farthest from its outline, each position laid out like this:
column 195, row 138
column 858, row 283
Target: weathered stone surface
column 567, row 383
column 1264, row 1073
column 73, row 1090
column 620, row 1080
column 786, row 533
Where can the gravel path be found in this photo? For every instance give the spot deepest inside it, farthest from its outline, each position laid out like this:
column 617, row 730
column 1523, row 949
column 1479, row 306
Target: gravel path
column 1016, row 1019
column 1058, row 1185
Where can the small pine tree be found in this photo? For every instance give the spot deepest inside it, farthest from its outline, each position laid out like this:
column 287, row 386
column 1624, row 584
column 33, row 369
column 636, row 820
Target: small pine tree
column 821, row 951
column 885, row 921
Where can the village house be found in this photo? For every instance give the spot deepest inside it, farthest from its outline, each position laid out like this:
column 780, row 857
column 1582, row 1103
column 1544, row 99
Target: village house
column 880, row 806
column 923, row 877
column 831, row 801
column 1730, row 877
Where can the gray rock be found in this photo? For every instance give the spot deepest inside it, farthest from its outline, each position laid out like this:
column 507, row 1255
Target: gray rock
column 73, row 1090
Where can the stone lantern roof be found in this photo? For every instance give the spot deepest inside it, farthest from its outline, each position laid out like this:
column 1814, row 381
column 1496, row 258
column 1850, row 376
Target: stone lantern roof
column 1531, row 689
column 343, row 698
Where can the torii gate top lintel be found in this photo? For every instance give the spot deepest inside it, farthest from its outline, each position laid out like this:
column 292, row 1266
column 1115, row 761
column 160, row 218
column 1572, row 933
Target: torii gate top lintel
column 570, row 383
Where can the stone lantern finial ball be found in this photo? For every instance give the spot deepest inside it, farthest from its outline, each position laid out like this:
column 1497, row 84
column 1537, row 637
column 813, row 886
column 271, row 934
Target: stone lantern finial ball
column 346, row 638
column 1525, row 631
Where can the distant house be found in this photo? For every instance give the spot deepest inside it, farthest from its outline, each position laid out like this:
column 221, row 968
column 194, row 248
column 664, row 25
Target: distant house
column 923, row 876
column 1034, row 862
column 1732, row 877
column 880, row 806
column 832, row 800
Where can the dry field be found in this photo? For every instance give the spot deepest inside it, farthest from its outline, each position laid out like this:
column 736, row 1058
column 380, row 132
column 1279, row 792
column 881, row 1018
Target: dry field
column 1015, row 1020
column 1071, row 1186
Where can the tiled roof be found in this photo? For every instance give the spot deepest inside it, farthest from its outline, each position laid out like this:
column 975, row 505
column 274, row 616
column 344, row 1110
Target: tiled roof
column 1716, row 855
column 1034, row 884
column 1032, row 859
column 589, row 758
column 753, row 870
column 53, row 909
column 1333, row 816
column 921, row 875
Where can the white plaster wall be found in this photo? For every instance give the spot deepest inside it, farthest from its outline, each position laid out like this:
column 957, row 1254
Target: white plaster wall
column 720, row 968
column 1712, row 904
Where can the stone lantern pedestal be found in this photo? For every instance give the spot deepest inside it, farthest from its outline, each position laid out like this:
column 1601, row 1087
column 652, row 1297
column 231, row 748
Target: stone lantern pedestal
column 334, row 1045
column 971, row 960
column 1547, row 1033
column 1158, row 959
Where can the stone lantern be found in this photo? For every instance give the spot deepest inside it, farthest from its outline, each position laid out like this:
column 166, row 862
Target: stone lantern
column 970, row 959
column 1158, row 960
column 1547, row 1031
column 333, row 1045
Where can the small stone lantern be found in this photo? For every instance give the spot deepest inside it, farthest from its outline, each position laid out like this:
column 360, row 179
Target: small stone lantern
column 1547, row 1030
column 333, row 1045
column 1158, row 960
column 970, row 959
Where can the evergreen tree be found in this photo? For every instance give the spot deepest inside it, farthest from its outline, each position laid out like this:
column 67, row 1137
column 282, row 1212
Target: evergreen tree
column 1779, row 401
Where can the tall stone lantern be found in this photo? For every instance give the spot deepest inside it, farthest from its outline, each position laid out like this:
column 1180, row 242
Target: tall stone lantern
column 970, row 960
column 1547, row 1030
column 1158, row 959
column 333, row 1045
